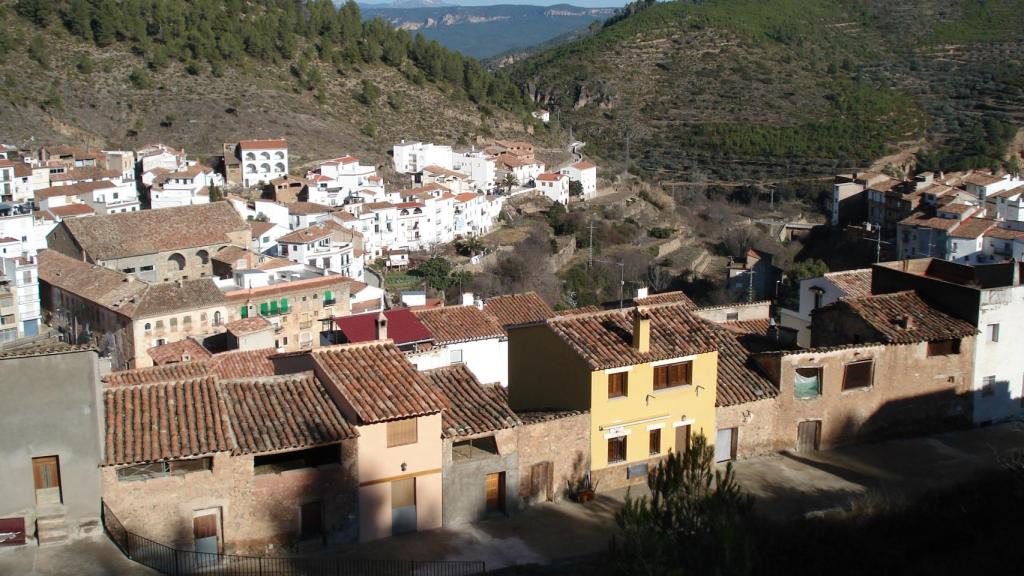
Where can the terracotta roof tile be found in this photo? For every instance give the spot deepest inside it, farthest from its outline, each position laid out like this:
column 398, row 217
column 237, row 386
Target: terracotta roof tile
column 451, row 324
column 151, row 231
column 175, row 352
column 72, row 210
column 515, row 309
column 377, row 382
column 165, row 421
column 152, row 374
column 271, row 144
column 854, row 283
column 888, row 313
column 972, row 228
column 473, row 408
column 228, row 365
column 580, row 310
column 242, row 363
column 739, row 380
column 296, row 208
column 584, row 165
column 604, row 339
column 245, row 326
column 282, row 413
column 677, row 297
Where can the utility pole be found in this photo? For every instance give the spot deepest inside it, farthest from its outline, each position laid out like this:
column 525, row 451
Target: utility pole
column 590, row 256
column 626, row 168
column 622, row 278
column 877, row 240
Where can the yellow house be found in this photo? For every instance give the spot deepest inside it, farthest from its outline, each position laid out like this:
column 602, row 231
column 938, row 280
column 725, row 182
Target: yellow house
column 648, row 377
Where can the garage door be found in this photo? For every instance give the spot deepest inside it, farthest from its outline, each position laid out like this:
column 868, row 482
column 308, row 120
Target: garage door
column 725, row 445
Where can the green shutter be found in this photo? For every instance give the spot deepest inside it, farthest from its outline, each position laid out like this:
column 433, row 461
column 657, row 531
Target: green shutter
column 284, row 305
column 245, row 311
column 264, row 310
column 328, row 296
column 273, row 306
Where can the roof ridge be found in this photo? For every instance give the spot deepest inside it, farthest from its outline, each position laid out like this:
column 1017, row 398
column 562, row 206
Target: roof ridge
column 268, row 379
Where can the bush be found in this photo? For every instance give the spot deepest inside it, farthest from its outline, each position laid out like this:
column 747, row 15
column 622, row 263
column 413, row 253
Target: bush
column 368, row 94
column 661, row 233
column 140, row 79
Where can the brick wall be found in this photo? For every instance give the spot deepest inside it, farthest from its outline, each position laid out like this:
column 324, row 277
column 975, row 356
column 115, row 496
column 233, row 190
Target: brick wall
column 259, row 513
column 562, row 441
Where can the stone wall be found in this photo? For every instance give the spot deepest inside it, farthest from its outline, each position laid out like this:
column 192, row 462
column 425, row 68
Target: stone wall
column 563, row 439
column 755, row 422
column 464, row 482
column 259, row 513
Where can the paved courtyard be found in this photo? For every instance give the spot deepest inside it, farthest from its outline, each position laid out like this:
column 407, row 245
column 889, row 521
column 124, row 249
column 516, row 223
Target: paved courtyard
column 783, row 485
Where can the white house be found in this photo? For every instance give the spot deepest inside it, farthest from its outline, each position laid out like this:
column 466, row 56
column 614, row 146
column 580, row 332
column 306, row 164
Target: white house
column 263, row 160
column 265, row 235
column 555, row 186
column 325, row 245
column 822, row 291
column 183, row 187
column 19, row 297
column 333, row 181
column 585, row 173
column 525, row 170
column 456, row 182
column 481, row 167
column 469, row 336
column 412, row 157
column 156, row 159
column 23, row 231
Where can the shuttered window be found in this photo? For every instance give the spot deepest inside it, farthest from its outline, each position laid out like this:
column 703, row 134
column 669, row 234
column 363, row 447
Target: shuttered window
column 655, row 442
column 284, row 305
column 944, row 347
column 807, row 382
column 617, row 449
column 858, row 375
column 245, row 311
column 668, row 376
column 401, row 432
column 618, row 384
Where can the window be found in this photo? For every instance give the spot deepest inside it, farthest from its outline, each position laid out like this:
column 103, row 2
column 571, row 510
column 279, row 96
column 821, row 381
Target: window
column 617, row 449
column 732, row 316
column 145, row 268
column 988, row 386
column 311, row 458
column 128, row 270
column 858, row 375
column 402, row 432
column 993, row 332
column 944, row 347
column 807, row 382
column 148, row 326
column 671, row 375
column 174, row 323
column 618, row 384
column 163, row 469
column 456, row 356
column 655, row 442
column 818, row 295
column 474, row 449
column 311, row 519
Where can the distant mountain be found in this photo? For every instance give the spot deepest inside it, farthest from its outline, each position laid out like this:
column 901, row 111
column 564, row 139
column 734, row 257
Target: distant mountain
column 486, row 31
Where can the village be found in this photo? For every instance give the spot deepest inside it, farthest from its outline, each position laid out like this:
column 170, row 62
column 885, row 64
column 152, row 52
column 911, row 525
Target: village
column 233, row 377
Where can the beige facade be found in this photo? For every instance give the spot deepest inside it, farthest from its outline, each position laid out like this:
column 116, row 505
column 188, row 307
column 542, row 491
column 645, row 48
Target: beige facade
column 171, row 327
column 385, row 471
column 297, row 309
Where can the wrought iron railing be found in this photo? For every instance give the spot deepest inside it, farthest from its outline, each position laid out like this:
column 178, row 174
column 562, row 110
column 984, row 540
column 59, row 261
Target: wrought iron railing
column 174, row 562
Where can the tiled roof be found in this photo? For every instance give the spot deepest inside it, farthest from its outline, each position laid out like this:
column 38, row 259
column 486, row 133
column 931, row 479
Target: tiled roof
column 378, row 382
column 1005, row 234
column 467, row 196
column 335, row 282
column 152, row 374
column 739, row 380
column 972, row 228
column 258, row 229
column 311, row 233
column 435, row 169
column 245, row 326
column 584, row 165
column 175, row 351
column 604, row 339
column 888, row 313
column 282, row 413
column 242, row 363
column 41, row 348
column 923, row 220
column 403, row 327
column 539, row 416
column 451, row 324
column 550, row 177
column 76, row 189
column 72, row 210
column 580, row 310
column 854, row 283
column 166, row 297
column 748, row 327
column 272, row 144
column 518, row 309
column 151, row 231
column 164, row 421
column 108, row 288
column 473, row 408
column 85, row 173
column 297, row 208
column 982, row 179
column 677, row 297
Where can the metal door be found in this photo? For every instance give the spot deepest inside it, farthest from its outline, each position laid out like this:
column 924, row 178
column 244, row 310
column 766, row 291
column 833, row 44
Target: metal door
column 724, row 444
column 204, row 529
column 808, row 435
column 46, row 475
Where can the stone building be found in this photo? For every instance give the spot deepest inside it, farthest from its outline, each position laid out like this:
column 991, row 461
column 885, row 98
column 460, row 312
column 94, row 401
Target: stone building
column 480, row 460
column 882, row 365
column 50, row 442
column 242, row 466
column 154, row 245
column 554, row 453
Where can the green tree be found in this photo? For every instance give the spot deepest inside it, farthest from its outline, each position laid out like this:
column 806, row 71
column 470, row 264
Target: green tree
column 140, row 79
column 369, row 93
column 37, row 51
column 84, row 64
column 437, row 272
column 216, row 195
column 575, row 188
column 789, row 292
column 694, row 521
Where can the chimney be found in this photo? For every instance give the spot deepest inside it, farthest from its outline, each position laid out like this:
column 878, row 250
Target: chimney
column 641, row 330
column 641, row 292
column 185, row 356
column 382, row 326
column 907, row 322
column 467, row 299
column 479, row 304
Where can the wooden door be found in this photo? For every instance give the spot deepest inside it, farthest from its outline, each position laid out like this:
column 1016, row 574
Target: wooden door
column 542, row 479
column 808, row 435
column 494, row 488
column 683, row 439
column 206, row 533
column 46, row 475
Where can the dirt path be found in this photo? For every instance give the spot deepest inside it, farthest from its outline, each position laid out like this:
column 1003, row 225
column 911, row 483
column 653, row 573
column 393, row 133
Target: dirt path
column 899, row 158
column 1016, row 146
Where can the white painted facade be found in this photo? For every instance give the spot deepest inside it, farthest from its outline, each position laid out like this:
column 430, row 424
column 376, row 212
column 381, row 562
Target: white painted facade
column 586, row 174
column 19, row 297
column 412, row 157
column 814, row 293
column 262, row 161
column 555, row 186
column 480, row 167
column 998, row 364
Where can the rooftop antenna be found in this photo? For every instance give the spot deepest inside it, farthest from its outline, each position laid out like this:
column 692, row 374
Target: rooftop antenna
column 877, row 240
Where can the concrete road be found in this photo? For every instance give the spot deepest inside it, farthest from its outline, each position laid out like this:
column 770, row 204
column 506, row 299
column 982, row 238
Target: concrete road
column 93, row 556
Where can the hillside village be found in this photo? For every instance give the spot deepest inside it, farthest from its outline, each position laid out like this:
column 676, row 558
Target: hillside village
column 227, row 327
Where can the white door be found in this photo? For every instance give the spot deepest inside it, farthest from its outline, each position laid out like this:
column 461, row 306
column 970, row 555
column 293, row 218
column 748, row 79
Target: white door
column 723, row 444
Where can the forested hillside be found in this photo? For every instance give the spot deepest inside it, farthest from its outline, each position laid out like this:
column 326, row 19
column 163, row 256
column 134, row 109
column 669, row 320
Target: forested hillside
column 197, row 72
column 752, row 89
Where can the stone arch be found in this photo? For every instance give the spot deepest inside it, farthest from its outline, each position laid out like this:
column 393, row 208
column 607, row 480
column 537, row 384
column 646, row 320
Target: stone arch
column 176, row 261
column 204, row 257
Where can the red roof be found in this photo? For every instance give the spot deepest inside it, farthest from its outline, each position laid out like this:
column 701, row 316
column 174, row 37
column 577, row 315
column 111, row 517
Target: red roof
column 403, row 327
column 263, row 144
column 72, row 210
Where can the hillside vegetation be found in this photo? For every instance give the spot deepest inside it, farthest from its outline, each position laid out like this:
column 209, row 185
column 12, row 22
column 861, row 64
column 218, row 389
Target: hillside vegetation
column 111, row 73
column 766, row 89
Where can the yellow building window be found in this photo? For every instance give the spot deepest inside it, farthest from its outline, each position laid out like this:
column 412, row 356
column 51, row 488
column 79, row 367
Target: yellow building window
column 655, row 442
column 618, row 384
column 401, row 432
column 617, row 449
column 671, row 375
